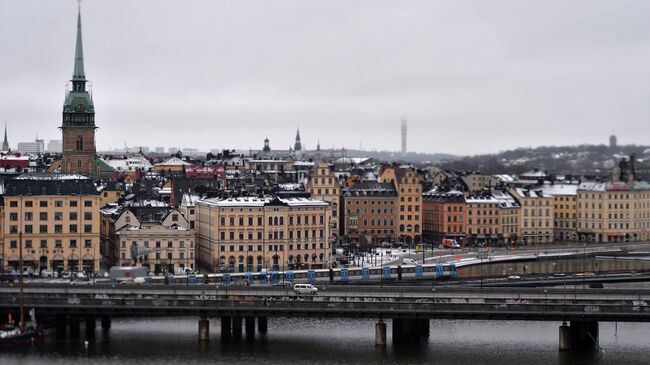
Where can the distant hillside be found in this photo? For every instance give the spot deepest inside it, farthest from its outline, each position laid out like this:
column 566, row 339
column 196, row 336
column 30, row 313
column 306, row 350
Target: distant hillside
column 582, row 160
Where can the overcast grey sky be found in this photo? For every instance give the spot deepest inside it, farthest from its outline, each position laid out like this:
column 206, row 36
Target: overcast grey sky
column 469, row 76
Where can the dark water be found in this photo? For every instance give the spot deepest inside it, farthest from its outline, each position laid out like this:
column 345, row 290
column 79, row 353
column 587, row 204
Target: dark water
column 303, row 341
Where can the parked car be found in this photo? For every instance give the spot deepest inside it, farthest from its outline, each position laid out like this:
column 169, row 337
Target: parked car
column 66, row 274
column 408, row 261
column 46, row 273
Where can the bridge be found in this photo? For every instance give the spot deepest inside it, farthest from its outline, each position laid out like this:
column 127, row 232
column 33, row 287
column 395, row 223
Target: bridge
column 409, row 308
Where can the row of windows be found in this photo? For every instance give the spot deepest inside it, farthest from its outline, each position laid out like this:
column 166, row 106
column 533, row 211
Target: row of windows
column 410, row 190
column 485, row 212
column 378, row 231
column 372, row 202
column 44, row 203
column 372, row 211
column 372, row 222
column 272, row 235
column 58, row 216
column 484, row 231
column 170, row 256
column 44, row 244
column 539, row 224
column 540, row 212
column 409, row 228
column 537, row 202
column 58, row 228
column 319, row 191
column 410, row 208
column 409, row 199
column 158, row 244
column 409, row 217
column 271, row 248
column 484, row 221
column 273, row 221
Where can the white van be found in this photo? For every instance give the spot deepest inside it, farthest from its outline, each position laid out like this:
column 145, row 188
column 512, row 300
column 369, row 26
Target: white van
column 305, row 289
column 408, row 261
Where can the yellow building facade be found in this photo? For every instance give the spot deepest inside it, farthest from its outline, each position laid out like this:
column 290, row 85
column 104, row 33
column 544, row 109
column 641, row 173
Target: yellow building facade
column 613, row 211
column 409, row 199
column 252, row 233
column 56, row 216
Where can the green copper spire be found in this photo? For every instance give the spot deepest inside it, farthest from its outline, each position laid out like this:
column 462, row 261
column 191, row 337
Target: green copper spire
column 79, row 73
column 78, row 108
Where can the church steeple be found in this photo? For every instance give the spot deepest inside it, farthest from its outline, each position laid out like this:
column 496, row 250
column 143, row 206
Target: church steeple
column 78, row 127
column 298, row 145
column 5, row 143
column 79, row 73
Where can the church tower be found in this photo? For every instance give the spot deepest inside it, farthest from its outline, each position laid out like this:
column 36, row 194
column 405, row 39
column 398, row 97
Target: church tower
column 298, row 145
column 78, row 125
column 5, row 143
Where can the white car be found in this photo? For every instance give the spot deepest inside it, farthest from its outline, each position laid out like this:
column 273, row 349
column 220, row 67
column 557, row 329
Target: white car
column 46, row 273
column 305, row 289
column 408, row 261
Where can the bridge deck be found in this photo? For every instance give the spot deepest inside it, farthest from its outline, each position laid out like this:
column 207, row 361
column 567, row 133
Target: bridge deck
column 338, row 301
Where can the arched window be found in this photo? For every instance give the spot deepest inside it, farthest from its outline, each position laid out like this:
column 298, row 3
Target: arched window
column 79, row 164
column 79, row 145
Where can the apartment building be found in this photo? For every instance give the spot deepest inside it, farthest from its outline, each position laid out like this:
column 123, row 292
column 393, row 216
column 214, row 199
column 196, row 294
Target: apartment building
column 323, row 185
column 370, row 212
column 613, row 211
column 444, row 216
column 56, row 216
column 251, row 233
column 483, row 219
column 537, row 218
column 409, row 193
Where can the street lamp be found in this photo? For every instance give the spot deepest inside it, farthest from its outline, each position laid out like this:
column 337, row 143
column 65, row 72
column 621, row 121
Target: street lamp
column 584, row 264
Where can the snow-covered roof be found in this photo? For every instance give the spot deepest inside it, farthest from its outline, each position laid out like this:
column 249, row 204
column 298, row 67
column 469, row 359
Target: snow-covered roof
column 290, row 187
column 14, row 157
column 303, row 163
column 505, row 200
column 253, row 201
column 505, row 178
column 189, row 200
column 534, row 192
column 613, row 186
column 50, row 176
column 129, row 164
column 174, row 161
column 351, row 160
column 560, row 189
column 481, row 199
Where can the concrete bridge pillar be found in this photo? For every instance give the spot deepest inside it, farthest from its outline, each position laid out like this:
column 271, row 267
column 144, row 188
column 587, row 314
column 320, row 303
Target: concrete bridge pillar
column 237, row 327
column 204, row 329
column 565, row 337
column 380, row 333
column 250, row 326
column 584, row 335
column 74, row 323
column 106, row 322
column 262, row 325
column 226, row 327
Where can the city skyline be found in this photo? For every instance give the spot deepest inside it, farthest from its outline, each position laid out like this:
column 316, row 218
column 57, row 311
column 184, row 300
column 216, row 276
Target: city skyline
column 344, row 78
